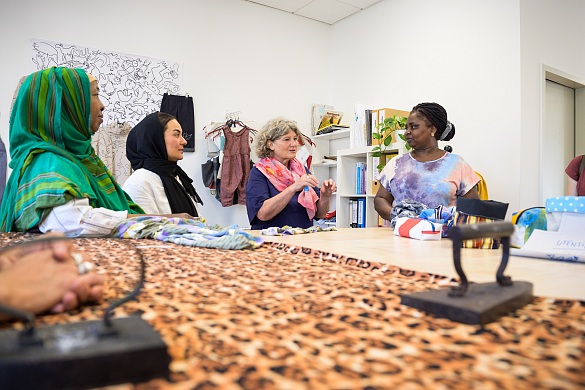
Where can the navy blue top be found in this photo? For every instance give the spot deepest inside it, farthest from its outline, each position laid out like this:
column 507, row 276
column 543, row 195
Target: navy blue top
column 258, row 189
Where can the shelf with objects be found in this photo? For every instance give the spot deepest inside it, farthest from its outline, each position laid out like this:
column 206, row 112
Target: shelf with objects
column 324, row 164
column 374, row 141
column 357, row 185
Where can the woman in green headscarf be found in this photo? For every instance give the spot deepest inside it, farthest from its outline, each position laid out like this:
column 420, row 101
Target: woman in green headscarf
column 57, row 180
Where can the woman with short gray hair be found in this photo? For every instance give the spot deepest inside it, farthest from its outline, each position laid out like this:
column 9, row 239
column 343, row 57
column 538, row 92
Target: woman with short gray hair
column 281, row 191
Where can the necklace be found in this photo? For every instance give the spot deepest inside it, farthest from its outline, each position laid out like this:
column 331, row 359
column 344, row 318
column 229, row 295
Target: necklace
column 428, row 156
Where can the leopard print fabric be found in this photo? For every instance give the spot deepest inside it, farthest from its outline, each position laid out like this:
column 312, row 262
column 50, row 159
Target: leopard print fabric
column 285, row 317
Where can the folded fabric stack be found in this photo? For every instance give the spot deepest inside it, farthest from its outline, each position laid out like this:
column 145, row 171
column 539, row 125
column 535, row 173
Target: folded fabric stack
column 187, row 232
column 406, row 208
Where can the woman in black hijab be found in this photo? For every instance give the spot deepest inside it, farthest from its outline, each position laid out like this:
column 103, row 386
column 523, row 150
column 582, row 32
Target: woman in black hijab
column 158, row 184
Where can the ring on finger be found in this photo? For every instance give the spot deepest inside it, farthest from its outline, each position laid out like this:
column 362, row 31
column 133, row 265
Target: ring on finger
column 83, row 267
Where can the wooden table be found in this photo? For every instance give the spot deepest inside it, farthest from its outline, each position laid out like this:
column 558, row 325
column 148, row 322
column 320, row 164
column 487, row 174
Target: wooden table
column 550, row 278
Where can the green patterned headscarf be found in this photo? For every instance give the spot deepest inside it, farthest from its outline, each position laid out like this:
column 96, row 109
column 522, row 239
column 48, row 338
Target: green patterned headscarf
column 52, row 159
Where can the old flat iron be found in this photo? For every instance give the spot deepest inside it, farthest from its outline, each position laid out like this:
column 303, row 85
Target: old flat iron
column 476, row 303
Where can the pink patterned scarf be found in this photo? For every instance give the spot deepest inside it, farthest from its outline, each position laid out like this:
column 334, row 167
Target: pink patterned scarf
column 281, row 177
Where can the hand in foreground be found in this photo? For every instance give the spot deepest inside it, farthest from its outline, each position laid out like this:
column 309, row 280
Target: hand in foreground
column 328, row 188
column 61, row 250
column 40, row 276
column 88, row 287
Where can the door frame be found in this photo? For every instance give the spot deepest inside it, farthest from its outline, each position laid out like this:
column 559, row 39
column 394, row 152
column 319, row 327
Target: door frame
column 560, row 77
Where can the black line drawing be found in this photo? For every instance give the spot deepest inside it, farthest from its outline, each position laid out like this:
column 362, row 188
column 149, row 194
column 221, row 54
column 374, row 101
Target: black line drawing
column 130, row 86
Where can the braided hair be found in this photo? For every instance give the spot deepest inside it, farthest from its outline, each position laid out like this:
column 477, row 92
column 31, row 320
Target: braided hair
column 437, row 116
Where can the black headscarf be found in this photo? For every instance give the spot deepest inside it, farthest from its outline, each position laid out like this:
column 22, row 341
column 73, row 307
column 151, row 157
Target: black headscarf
column 145, row 148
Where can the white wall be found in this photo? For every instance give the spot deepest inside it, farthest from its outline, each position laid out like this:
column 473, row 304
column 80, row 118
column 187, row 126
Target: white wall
column 480, row 59
column 461, row 54
column 553, row 35
column 236, row 56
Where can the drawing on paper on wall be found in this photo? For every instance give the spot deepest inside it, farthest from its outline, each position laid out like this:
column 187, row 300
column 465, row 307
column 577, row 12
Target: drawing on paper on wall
column 130, row 86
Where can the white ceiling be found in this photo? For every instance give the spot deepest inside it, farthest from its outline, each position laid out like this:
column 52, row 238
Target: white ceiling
column 326, row 11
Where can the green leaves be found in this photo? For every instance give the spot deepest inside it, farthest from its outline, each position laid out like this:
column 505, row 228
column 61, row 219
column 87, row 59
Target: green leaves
column 392, row 123
column 406, row 145
column 385, row 130
column 387, row 140
column 384, row 135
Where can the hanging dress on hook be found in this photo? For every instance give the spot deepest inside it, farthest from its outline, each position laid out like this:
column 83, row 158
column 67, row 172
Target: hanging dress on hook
column 235, row 166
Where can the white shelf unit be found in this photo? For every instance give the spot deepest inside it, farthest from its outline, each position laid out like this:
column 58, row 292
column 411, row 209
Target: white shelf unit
column 328, row 145
column 346, row 163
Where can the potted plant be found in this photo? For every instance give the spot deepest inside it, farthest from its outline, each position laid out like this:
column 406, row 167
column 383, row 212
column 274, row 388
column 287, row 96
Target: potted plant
column 384, row 135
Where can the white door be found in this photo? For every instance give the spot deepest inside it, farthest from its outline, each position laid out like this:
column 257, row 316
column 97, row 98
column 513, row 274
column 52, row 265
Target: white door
column 558, row 141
